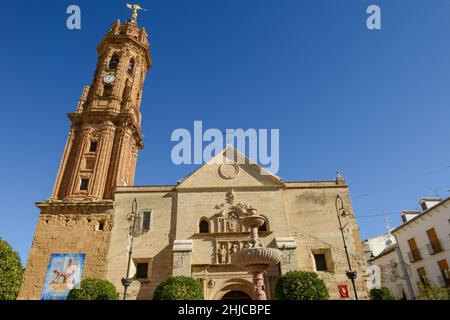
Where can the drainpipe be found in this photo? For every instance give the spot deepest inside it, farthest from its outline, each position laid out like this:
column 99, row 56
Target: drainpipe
column 405, row 271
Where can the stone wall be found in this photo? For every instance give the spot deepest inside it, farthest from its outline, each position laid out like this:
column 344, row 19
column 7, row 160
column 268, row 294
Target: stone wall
column 68, row 228
column 314, row 224
column 153, row 246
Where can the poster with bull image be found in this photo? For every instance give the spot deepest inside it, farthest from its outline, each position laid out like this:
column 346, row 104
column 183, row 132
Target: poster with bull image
column 63, row 274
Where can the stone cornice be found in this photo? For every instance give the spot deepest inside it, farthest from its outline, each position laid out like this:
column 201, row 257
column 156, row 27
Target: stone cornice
column 229, row 235
column 78, row 207
column 314, row 184
column 289, row 185
column 219, row 188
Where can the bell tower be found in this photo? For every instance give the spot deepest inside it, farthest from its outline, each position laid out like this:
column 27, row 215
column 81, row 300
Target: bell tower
column 100, row 154
column 105, row 135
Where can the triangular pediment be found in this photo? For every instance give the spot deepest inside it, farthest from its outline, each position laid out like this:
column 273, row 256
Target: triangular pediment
column 230, row 168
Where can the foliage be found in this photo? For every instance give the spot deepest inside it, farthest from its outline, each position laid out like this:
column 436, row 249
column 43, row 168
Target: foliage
column 433, row 293
column 179, row 288
column 301, row 285
column 11, row 272
column 94, row 289
column 382, row 293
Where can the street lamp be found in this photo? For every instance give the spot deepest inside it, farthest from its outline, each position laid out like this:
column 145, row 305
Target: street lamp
column 126, row 282
column 340, row 210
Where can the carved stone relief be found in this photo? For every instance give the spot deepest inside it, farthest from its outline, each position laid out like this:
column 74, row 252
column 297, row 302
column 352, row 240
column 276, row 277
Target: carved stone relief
column 228, row 215
column 225, row 248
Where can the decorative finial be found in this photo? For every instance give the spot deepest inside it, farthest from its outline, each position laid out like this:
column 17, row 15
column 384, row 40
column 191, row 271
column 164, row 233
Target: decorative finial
column 136, row 8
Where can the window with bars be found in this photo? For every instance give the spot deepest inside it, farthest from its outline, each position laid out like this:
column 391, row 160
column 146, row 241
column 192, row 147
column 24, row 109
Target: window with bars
column 146, row 220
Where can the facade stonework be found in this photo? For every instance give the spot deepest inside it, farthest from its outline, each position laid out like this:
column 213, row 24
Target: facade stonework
column 192, row 228
column 300, row 218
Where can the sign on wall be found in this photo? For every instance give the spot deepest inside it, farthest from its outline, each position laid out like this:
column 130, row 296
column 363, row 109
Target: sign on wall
column 63, row 274
column 343, row 291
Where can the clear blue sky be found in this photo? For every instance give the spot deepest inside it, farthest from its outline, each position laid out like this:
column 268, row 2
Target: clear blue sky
column 373, row 104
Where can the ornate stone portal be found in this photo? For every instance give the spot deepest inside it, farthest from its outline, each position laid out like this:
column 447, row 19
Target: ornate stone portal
column 227, row 218
column 256, row 259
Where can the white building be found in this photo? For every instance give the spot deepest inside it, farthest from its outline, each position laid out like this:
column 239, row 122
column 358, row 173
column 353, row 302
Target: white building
column 424, row 243
column 374, row 246
column 384, row 266
column 388, row 271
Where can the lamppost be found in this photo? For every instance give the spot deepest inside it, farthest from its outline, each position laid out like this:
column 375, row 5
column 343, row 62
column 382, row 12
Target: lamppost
column 126, row 282
column 340, row 210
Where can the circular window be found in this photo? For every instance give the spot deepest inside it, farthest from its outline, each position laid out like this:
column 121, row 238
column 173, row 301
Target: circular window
column 229, row 171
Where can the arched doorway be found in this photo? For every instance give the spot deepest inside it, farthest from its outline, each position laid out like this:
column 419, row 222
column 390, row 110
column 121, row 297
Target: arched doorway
column 236, row 295
column 234, row 289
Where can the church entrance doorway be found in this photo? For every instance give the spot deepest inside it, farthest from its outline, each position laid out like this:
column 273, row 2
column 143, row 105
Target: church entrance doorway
column 236, row 295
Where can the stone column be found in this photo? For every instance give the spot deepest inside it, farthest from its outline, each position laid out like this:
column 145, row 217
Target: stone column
column 182, row 257
column 288, row 247
column 63, row 165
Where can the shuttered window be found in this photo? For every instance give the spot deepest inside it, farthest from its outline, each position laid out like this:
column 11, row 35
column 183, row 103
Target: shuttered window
column 434, row 241
column 414, row 250
column 423, row 276
column 443, row 266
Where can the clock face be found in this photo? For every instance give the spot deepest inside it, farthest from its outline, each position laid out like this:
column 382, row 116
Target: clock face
column 109, row 78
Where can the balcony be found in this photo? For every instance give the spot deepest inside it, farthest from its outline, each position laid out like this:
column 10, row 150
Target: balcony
column 434, row 247
column 424, row 280
column 444, row 279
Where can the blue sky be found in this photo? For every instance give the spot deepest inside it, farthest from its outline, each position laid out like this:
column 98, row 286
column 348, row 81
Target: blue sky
column 373, row 104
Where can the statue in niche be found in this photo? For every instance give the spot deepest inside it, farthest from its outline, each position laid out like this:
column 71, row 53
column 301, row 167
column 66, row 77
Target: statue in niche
column 234, row 248
column 232, row 222
column 220, row 225
column 222, row 254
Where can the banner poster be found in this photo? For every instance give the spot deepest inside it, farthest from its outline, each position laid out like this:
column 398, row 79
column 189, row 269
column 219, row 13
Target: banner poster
column 63, row 274
column 343, row 291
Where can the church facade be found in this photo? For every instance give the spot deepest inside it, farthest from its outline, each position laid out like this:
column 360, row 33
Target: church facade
column 190, row 228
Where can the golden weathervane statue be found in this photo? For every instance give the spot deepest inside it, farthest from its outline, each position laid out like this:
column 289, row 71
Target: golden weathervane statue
column 136, row 8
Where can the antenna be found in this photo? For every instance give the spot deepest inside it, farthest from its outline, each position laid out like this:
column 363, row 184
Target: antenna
column 386, row 225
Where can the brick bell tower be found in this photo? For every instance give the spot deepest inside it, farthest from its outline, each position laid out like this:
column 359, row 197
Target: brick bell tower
column 105, row 135
column 100, row 154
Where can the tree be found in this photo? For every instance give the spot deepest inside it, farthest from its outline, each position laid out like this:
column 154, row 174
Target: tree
column 11, row 272
column 301, row 285
column 382, row 293
column 179, row 288
column 432, row 293
column 94, row 289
